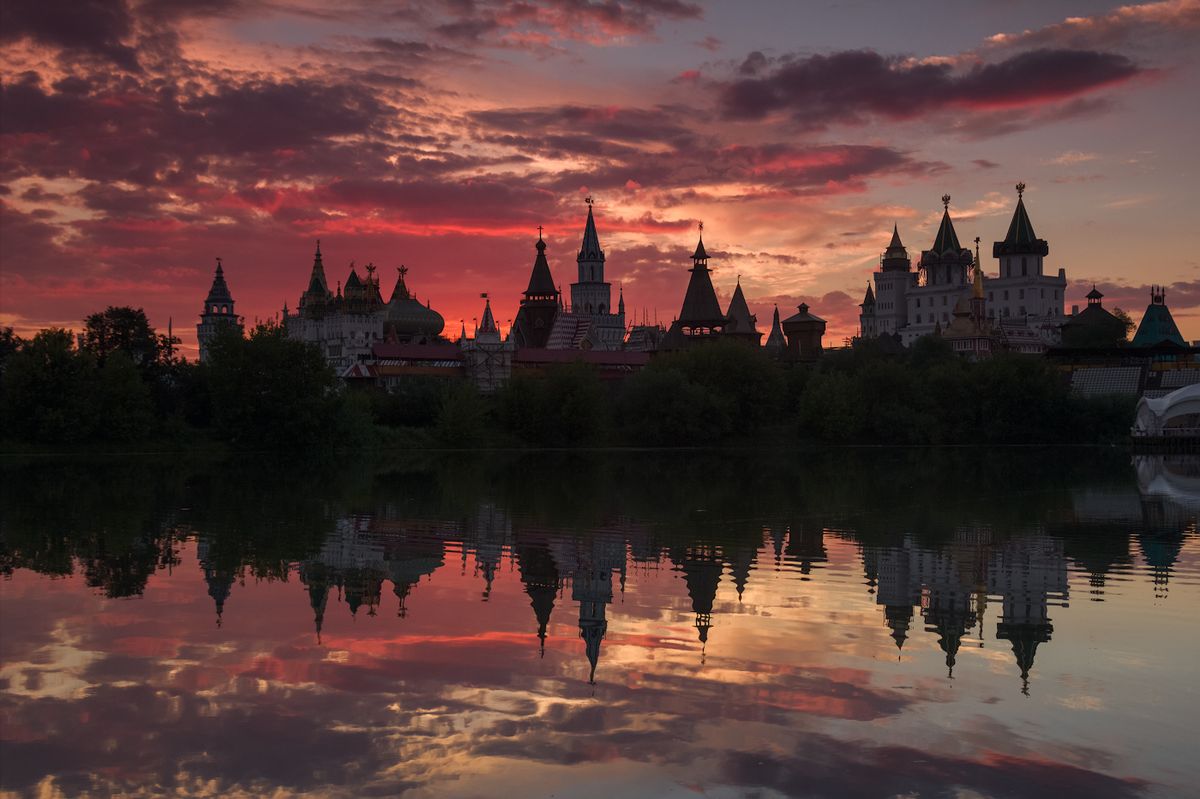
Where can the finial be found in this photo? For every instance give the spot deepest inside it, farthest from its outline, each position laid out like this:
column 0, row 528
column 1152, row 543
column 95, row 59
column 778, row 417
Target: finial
column 318, row 246
column 539, row 232
column 946, row 201
column 701, row 226
column 370, row 269
column 219, row 264
column 402, row 269
column 1020, row 190
column 588, row 199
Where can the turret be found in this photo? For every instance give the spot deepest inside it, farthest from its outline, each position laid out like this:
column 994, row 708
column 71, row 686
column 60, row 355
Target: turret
column 1021, row 252
column 217, row 313
column 540, row 305
column 946, row 262
column 741, row 323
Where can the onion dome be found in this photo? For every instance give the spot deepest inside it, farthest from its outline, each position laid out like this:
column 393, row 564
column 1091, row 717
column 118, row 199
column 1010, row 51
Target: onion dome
column 406, row 318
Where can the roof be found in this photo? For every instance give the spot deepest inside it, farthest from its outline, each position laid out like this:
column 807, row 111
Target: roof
column 947, row 239
column 316, row 282
column 739, row 313
column 895, row 246
column 1020, row 238
column 590, row 249
column 219, row 293
column 541, row 282
column 700, row 306
column 416, row 352
column 868, row 298
column 803, row 316
column 776, row 339
column 488, row 325
column 1157, row 327
column 700, row 252
column 1095, row 294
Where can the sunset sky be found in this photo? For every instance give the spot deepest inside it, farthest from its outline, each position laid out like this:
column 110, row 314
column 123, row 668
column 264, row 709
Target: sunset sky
column 141, row 140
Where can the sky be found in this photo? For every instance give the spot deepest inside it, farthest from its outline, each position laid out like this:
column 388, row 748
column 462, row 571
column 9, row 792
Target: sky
column 142, row 139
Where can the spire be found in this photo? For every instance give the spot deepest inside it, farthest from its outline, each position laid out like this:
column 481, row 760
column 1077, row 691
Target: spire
column 742, row 321
column 895, row 257
column 621, row 301
column 700, row 254
column 1020, row 239
column 316, row 282
column 776, row 341
column 895, row 243
column 541, row 282
column 947, row 239
column 868, row 298
column 590, row 249
column 218, row 294
column 400, row 292
column 488, row 325
column 700, row 307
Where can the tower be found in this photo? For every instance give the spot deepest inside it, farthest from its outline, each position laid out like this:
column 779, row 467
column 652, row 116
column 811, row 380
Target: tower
column 218, row 312
column 946, row 262
column 540, row 305
column 700, row 318
column 591, row 295
column 741, row 323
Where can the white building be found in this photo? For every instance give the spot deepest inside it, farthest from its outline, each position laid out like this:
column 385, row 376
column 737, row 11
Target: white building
column 590, row 322
column 1025, row 303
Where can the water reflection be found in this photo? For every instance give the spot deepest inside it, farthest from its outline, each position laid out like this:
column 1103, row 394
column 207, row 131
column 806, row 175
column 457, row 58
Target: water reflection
column 847, row 623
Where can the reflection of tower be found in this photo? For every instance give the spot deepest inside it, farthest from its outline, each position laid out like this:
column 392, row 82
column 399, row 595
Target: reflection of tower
column 219, row 580
column 315, row 576
column 701, row 567
column 591, row 587
column 740, row 564
column 1160, row 549
column 896, row 591
column 408, row 561
column 1027, row 572
column 487, row 534
column 539, row 575
column 806, row 546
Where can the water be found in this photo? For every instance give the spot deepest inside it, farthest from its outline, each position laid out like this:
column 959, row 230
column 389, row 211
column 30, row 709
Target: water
column 837, row 623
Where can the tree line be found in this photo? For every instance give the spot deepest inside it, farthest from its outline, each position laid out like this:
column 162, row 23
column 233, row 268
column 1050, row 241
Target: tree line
column 120, row 383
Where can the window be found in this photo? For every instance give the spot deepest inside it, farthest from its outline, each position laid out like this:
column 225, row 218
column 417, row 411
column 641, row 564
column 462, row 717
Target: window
column 214, row 309
column 224, row 309
column 1024, row 266
column 918, row 302
column 918, row 319
column 1006, row 294
column 1021, row 294
column 1021, row 311
column 943, row 299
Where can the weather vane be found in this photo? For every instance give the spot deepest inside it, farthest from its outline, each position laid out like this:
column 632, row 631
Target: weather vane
column 946, row 201
column 403, row 270
column 1021, row 189
column 701, row 225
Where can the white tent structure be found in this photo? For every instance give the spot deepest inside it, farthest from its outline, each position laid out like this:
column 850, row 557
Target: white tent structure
column 1176, row 414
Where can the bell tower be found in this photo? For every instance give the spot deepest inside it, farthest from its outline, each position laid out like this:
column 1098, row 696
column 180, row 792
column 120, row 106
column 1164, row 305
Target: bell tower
column 217, row 313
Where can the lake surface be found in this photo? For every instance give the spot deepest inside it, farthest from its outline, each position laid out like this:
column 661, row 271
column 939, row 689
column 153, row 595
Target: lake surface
column 816, row 623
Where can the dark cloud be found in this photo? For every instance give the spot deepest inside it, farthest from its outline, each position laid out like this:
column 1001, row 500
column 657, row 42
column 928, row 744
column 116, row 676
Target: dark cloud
column 851, row 86
column 96, row 28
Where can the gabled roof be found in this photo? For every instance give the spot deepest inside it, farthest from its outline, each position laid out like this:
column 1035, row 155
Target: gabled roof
column 590, row 250
column 739, row 312
column 541, row 282
column 947, row 239
column 700, row 306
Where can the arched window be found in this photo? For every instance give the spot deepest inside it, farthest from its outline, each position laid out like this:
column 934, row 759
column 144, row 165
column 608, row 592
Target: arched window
column 224, row 309
column 214, row 310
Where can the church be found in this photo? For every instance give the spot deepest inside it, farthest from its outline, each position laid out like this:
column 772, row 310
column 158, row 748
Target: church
column 1022, row 304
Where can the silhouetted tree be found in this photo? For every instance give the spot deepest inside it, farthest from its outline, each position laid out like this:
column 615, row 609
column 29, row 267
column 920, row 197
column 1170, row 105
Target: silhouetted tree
column 121, row 329
column 268, row 390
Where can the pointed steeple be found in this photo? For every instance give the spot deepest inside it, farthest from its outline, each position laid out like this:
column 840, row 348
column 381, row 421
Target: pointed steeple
column 741, row 321
column 316, row 281
column 868, row 299
column 895, row 243
column 700, row 310
column 895, row 257
column 488, row 325
column 590, row 250
column 621, row 301
column 541, row 282
column 219, row 294
column 776, row 341
column 947, row 239
column 1020, row 239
